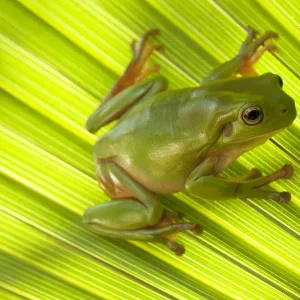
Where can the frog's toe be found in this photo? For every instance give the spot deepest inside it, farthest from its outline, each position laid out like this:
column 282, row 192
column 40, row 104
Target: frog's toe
column 142, row 50
column 133, row 46
column 260, row 41
column 253, row 48
column 287, row 171
column 157, row 47
column 143, row 47
column 271, row 35
column 252, row 33
column 169, row 217
column 151, row 32
column 270, row 47
column 197, row 229
column 143, row 75
column 254, row 173
column 285, row 197
column 179, row 250
column 175, row 215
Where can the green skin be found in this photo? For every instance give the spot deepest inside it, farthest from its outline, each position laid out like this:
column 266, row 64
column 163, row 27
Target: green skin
column 170, row 141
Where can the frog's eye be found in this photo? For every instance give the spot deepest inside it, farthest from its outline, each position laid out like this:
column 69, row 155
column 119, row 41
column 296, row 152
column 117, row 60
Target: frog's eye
column 252, row 115
column 280, row 81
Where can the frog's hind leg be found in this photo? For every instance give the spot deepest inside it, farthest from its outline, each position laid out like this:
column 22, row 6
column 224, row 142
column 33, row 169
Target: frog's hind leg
column 134, row 213
column 250, row 52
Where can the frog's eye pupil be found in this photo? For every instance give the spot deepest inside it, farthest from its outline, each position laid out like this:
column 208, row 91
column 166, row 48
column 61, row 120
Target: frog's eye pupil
column 252, row 115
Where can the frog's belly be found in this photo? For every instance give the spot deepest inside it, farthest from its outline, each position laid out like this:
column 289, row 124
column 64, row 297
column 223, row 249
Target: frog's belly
column 162, row 176
column 162, row 163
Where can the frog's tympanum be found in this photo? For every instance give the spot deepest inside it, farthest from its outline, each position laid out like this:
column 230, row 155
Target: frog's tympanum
column 169, row 141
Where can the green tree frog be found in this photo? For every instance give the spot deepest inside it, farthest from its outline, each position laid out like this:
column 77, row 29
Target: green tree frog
column 169, row 141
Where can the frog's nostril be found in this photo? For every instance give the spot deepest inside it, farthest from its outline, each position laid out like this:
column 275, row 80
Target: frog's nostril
column 284, row 110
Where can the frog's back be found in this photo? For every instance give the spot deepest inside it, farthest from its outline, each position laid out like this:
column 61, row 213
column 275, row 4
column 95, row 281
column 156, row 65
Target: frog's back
column 160, row 140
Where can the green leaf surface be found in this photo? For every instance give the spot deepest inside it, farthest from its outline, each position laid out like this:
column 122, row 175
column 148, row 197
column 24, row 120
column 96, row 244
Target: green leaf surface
column 58, row 59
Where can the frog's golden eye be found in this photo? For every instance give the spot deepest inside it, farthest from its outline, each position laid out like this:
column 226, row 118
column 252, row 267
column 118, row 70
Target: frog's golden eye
column 252, row 115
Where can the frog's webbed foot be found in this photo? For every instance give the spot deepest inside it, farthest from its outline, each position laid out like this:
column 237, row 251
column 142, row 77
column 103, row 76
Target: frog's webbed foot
column 253, row 187
column 253, row 48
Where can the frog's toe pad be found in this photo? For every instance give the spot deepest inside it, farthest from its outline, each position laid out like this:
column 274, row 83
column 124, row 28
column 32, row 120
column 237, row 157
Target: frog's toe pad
column 145, row 43
column 151, row 32
column 284, row 197
column 252, row 33
column 272, row 35
column 179, row 250
column 271, row 47
column 287, row 171
column 197, row 229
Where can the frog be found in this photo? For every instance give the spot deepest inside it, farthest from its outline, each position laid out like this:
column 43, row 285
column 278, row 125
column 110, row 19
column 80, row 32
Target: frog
column 169, row 141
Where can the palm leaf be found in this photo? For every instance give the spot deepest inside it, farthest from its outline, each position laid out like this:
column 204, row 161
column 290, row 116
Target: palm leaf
column 58, row 58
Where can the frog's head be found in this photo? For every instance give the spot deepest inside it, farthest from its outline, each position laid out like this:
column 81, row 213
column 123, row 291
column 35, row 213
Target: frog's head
column 262, row 109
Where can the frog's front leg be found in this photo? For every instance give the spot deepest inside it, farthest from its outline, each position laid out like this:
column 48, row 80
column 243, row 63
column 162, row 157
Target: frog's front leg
column 131, row 87
column 134, row 214
column 205, row 184
column 119, row 104
column 136, row 71
column 249, row 53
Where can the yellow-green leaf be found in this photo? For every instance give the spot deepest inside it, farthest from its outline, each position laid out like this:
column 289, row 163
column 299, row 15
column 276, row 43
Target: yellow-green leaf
column 58, row 60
